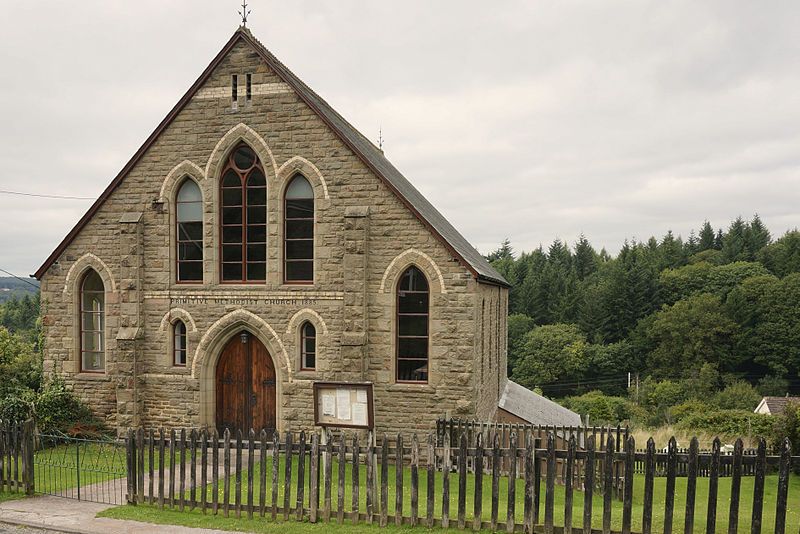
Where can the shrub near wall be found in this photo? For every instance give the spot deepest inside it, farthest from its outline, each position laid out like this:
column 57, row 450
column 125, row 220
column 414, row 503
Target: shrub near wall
column 729, row 423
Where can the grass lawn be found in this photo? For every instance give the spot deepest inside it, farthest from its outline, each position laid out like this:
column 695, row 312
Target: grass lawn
column 793, row 517
column 151, row 514
column 7, row 496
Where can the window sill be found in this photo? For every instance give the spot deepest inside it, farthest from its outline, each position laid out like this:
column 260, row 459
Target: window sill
column 96, row 377
column 415, row 388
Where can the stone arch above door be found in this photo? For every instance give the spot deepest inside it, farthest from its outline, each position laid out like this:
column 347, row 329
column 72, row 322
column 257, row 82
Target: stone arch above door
column 210, row 347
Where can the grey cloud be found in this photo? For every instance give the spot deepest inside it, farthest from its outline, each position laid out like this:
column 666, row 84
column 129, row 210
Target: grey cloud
column 520, row 119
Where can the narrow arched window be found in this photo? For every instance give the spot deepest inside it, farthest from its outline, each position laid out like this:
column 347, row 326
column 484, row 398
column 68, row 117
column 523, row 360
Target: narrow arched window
column 244, row 218
column 412, row 326
column 93, row 323
column 179, row 344
column 298, row 232
column 189, row 210
column 308, row 346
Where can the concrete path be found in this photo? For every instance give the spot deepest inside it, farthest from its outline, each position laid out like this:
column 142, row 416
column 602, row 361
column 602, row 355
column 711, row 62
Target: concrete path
column 78, row 517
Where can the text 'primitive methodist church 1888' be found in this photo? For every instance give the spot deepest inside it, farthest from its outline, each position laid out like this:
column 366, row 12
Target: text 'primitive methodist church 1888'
column 257, row 245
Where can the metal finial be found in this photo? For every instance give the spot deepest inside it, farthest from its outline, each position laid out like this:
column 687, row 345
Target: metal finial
column 380, row 139
column 244, row 13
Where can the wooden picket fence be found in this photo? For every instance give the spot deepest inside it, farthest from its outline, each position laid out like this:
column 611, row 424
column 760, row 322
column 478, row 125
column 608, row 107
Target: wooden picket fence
column 16, row 457
column 455, row 427
column 228, row 475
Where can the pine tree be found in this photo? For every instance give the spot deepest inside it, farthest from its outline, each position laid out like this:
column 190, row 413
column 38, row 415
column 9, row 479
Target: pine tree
column 720, row 237
column 733, row 244
column 707, row 237
column 585, row 258
column 756, row 237
column 692, row 244
column 504, row 252
column 670, row 252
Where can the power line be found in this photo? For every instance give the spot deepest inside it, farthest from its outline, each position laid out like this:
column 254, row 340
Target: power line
column 59, row 197
column 19, row 278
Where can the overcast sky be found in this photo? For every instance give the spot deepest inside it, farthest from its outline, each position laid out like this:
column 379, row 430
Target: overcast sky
column 530, row 120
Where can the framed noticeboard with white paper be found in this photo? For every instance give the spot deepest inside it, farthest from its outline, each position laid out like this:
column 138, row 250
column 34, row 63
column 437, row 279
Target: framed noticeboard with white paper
column 343, row 404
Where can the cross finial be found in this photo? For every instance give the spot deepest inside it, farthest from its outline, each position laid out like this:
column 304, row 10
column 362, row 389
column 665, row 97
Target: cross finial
column 380, row 139
column 244, row 13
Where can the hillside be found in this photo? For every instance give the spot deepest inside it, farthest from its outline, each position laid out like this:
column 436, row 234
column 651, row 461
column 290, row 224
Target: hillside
column 11, row 287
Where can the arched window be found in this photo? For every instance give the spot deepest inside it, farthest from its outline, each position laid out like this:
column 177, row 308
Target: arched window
column 412, row 326
column 298, row 232
column 179, row 344
column 308, row 346
column 244, row 218
column 93, row 323
column 189, row 210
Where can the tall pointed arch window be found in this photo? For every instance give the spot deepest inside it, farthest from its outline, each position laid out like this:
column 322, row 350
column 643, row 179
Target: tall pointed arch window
column 298, row 231
column 179, row 344
column 413, row 299
column 308, row 346
column 93, row 323
column 189, row 216
column 244, row 218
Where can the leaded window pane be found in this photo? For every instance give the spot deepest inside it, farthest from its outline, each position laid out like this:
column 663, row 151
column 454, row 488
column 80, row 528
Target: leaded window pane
column 297, row 271
column 299, row 188
column 244, row 217
column 412, row 327
column 92, row 323
column 179, row 344
column 308, row 346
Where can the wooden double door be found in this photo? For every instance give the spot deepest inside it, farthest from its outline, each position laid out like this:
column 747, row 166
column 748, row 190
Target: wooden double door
column 245, row 386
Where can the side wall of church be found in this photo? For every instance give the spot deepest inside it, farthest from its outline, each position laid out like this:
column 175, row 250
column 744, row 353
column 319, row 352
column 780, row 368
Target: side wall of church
column 365, row 238
column 491, row 348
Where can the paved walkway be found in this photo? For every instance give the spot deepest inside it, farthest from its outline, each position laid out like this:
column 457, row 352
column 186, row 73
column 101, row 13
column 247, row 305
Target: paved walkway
column 78, row 517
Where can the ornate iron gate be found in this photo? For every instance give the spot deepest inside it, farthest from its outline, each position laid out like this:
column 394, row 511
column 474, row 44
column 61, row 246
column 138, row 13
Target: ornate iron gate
column 91, row 470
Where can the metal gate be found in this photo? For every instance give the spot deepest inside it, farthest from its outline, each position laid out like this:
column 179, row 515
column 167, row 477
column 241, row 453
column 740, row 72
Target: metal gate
column 91, row 470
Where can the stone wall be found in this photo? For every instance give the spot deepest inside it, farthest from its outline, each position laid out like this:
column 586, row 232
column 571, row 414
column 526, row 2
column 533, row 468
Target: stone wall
column 365, row 238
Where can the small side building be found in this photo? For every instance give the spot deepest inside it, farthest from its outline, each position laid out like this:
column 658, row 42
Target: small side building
column 519, row 405
column 775, row 405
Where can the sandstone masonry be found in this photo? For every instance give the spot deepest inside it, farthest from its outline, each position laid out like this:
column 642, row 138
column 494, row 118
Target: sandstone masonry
column 366, row 236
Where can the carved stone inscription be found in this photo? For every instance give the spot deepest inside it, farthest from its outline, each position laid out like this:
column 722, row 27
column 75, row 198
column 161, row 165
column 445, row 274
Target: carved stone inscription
column 247, row 301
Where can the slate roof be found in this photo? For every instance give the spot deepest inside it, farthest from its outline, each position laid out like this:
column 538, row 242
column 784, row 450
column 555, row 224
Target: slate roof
column 372, row 157
column 534, row 408
column 777, row 405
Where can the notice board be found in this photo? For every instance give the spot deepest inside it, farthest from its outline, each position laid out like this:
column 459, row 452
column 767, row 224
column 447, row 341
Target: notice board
column 343, row 404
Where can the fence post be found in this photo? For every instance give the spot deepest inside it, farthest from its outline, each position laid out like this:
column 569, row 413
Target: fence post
column 627, row 488
column 691, row 487
column 28, row 451
column 713, row 486
column 130, row 446
column 783, row 486
column 588, row 485
column 736, row 486
column 669, row 499
column 649, row 474
column 758, row 487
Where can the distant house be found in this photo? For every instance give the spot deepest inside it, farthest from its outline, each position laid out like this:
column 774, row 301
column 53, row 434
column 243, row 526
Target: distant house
column 521, row 405
column 775, row 405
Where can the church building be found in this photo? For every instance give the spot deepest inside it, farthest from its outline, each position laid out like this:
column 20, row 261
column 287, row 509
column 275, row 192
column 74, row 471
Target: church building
column 256, row 246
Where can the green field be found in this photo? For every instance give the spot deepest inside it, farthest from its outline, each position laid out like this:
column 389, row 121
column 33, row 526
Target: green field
column 793, row 516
